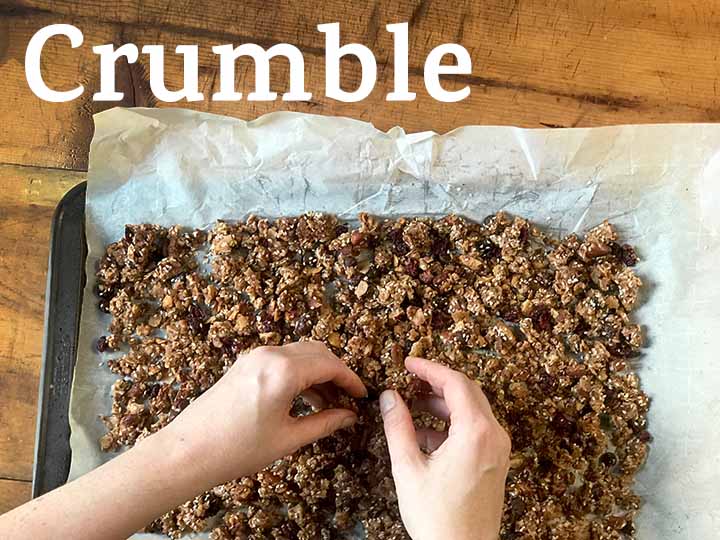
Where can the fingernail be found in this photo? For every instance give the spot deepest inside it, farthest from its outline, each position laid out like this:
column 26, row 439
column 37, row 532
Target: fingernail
column 349, row 421
column 387, row 401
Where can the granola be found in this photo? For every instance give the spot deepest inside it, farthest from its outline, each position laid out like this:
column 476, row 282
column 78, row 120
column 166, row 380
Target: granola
column 544, row 325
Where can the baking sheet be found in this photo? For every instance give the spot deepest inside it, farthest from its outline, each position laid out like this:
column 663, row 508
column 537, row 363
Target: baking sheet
column 658, row 184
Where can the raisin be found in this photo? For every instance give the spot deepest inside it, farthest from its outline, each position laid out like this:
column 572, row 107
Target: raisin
column 237, row 346
column 608, row 459
column 546, row 383
column 624, row 253
column 440, row 247
column 129, row 233
column 517, row 508
column 309, row 259
column 105, row 292
column 340, row 230
column 265, row 322
column 104, row 306
column 582, row 327
column 102, row 344
column 645, row 436
column 544, row 465
column 303, row 325
column 563, row 424
column 399, row 247
column 152, row 391
column 510, row 314
column 629, row 257
column 542, row 318
column 196, row 319
column 412, row 267
column 524, row 234
column 488, row 249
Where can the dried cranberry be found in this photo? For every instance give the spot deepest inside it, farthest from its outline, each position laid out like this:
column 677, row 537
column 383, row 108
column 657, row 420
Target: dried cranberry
column 488, row 249
column 542, row 318
column 427, row 277
column 412, row 267
column 102, row 344
column 399, row 247
column 357, row 238
column 608, row 459
column 440, row 319
column 348, row 261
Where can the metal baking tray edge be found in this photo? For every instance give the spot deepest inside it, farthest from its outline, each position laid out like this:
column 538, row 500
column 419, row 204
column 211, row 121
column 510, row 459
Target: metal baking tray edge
column 65, row 283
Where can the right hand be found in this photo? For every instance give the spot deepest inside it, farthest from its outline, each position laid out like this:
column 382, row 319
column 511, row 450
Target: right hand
column 456, row 491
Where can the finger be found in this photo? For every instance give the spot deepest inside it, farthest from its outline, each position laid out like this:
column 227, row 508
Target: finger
column 432, row 404
column 328, row 391
column 463, row 397
column 399, row 431
column 317, row 365
column 309, row 429
column 429, row 439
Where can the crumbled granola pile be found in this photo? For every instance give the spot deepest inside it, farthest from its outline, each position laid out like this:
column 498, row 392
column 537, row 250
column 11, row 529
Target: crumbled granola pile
column 543, row 325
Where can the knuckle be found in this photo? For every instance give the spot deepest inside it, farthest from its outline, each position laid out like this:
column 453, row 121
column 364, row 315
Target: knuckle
column 263, row 350
column 504, row 443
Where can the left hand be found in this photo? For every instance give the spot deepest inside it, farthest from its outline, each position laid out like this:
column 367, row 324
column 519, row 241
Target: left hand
column 243, row 422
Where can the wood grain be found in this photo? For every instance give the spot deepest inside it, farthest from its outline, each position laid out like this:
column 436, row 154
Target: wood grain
column 13, row 493
column 27, row 203
column 536, row 63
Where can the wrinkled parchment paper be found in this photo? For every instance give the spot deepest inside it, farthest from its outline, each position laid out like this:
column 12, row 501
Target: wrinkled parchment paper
column 659, row 184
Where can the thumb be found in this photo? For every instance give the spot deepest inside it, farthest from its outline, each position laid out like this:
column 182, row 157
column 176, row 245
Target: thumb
column 321, row 424
column 399, row 430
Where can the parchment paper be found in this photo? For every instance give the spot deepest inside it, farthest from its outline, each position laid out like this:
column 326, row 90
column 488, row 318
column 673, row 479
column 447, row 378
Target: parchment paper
column 659, row 184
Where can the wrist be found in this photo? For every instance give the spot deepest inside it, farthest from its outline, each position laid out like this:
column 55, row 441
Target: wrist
column 176, row 462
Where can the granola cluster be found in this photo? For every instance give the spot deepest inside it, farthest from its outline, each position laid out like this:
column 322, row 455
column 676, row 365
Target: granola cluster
column 542, row 324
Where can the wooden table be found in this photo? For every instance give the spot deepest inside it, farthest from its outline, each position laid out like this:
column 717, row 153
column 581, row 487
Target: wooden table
column 558, row 63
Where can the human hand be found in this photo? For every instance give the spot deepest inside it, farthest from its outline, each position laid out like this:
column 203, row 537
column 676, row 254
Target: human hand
column 243, row 423
column 457, row 491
